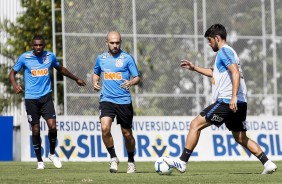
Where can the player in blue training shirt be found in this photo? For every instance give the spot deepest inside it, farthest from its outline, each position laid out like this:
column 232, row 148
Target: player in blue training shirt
column 115, row 68
column 37, row 65
column 229, row 94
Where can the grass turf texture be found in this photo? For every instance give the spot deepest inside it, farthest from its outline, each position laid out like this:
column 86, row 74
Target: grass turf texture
column 98, row 172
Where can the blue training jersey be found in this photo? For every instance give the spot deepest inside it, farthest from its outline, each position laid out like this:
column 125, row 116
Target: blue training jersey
column 114, row 70
column 37, row 71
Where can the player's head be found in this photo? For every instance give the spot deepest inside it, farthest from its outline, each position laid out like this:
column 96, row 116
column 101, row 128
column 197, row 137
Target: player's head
column 38, row 45
column 215, row 35
column 113, row 41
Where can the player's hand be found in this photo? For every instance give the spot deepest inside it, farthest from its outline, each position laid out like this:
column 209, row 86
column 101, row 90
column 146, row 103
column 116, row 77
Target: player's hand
column 96, row 86
column 187, row 64
column 233, row 104
column 80, row 82
column 126, row 84
column 18, row 89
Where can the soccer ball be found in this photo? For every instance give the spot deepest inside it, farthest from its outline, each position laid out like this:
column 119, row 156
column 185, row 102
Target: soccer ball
column 162, row 168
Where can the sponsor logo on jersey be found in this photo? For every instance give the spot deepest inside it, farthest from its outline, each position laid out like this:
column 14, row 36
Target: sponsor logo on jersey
column 112, row 76
column 39, row 72
column 119, row 63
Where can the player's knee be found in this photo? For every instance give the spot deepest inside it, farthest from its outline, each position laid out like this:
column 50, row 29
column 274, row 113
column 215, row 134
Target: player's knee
column 52, row 130
column 241, row 139
column 194, row 126
column 106, row 129
column 106, row 132
column 127, row 135
column 35, row 129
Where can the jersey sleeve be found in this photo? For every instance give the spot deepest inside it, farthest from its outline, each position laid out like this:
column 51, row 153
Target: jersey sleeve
column 97, row 68
column 227, row 57
column 19, row 64
column 132, row 67
column 55, row 62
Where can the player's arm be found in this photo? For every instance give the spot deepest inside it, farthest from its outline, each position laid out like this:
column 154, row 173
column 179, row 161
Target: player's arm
column 12, row 76
column 128, row 83
column 95, row 82
column 190, row 66
column 235, row 78
column 62, row 70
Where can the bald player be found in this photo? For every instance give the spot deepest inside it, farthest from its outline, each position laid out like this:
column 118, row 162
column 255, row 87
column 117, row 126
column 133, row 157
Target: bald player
column 118, row 72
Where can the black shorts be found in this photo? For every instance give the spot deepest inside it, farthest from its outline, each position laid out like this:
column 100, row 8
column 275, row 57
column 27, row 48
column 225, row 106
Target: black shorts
column 123, row 112
column 219, row 113
column 36, row 108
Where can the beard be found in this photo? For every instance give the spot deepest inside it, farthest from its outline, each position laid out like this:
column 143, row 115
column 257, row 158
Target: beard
column 215, row 48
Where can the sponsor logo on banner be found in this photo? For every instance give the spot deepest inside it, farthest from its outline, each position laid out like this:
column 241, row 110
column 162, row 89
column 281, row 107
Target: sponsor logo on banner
column 80, row 139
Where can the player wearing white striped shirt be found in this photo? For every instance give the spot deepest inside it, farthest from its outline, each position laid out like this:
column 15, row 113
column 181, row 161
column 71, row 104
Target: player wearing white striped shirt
column 229, row 101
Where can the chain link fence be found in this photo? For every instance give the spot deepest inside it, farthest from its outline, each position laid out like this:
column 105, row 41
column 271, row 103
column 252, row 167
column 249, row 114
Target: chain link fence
column 159, row 33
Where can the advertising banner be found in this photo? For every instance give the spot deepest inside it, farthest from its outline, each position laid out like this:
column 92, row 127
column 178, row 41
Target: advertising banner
column 80, row 139
column 6, row 138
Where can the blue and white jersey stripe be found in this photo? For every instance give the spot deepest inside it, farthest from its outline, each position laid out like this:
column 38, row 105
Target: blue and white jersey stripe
column 221, row 82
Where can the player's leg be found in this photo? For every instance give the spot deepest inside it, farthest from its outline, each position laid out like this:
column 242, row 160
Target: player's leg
column 33, row 115
column 49, row 114
column 125, row 118
column 107, row 114
column 255, row 149
column 36, row 141
column 213, row 114
column 236, row 123
column 129, row 143
column 106, row 124
column 192, row 139
column 130, row 146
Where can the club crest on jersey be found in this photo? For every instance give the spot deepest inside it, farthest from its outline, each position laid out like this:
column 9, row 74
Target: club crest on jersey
column 45, row 59
column 119, row 63
column 29, row 118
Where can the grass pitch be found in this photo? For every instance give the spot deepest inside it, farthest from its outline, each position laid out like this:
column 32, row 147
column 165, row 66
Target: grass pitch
column 98, row 172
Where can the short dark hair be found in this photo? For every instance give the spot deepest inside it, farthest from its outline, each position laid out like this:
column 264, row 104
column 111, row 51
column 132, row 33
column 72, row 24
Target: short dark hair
column 38, row 37
column 216, row 29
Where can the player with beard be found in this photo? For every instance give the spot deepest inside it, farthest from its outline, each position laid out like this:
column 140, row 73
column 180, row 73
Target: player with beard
column 229, row 94
column 115, row 68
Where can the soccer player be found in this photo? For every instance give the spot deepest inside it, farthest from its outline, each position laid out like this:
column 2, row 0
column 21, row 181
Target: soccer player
column 115, row 67
column 37, row 65
column 229, row 106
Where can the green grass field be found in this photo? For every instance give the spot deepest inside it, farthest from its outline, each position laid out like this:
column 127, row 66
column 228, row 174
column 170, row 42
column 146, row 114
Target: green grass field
column 97, row 172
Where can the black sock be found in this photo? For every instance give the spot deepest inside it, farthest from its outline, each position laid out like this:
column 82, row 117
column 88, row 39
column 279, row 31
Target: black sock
column 185, row 155
column 130, row 156
column 52, row 135
column 36, row 141
column 112, row 152
column 263, row 158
